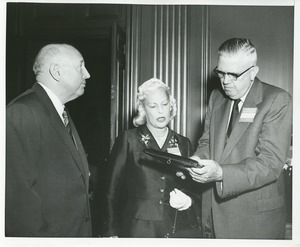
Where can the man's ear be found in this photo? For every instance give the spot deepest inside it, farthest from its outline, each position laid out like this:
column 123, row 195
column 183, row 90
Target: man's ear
column 54, row 71
column 254, row 72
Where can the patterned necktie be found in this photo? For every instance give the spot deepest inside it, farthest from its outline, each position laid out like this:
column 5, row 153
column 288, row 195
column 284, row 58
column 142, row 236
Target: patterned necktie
column 67, row 125
column 234, row 115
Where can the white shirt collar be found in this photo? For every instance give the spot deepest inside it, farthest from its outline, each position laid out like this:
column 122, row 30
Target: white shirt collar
column 55, row 100
column 242, row 99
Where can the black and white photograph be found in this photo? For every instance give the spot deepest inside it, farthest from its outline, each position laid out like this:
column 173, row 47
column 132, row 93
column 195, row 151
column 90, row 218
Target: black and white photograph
column 147, row 122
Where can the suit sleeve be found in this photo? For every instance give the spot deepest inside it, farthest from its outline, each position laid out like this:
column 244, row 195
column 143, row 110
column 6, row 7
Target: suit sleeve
column 271, row 151
column 190, row 148
column 23, row 210
column 117, row 162
column 202, row 150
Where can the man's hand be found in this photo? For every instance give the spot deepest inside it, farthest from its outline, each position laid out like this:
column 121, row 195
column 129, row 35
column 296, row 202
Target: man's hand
column 181, row 174
column 211, row 171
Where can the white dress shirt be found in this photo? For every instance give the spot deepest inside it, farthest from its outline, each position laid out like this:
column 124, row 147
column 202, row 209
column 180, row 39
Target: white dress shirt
column 55, row 100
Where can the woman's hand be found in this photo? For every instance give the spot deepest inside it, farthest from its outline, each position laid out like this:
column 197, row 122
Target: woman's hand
column 179, row 200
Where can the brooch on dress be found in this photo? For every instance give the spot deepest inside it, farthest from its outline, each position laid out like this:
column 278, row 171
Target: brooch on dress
column 145, row 139
column 173, row 142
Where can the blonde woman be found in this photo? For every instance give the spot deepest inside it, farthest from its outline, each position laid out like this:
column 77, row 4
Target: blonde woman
column 146, row 198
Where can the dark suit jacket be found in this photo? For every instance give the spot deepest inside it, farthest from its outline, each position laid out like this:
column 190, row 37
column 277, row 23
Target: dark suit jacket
column 143, row 182
column 250, row 203
column 46, row 177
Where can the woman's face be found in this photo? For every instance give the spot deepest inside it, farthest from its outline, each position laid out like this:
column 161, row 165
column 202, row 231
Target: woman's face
column 157, row 108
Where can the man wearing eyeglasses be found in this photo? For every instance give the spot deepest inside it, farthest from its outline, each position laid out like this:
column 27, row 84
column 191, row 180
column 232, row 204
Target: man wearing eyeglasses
column 243, row 150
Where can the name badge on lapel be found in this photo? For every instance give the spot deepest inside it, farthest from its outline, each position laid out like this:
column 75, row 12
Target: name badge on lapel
column 248, row 115
column 174, row 150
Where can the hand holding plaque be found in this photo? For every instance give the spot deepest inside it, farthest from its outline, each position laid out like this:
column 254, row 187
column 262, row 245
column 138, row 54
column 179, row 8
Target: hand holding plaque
column 172, row 159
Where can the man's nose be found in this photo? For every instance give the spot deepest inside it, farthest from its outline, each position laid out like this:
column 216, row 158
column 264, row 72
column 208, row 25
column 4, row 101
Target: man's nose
column 226, row 79
column 86, row 74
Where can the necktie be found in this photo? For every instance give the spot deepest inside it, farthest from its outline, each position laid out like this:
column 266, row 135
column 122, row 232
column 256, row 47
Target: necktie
column 67, row 125
column 234, row 115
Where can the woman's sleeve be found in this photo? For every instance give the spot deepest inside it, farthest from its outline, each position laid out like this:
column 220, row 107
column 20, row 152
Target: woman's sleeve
column 116, row 173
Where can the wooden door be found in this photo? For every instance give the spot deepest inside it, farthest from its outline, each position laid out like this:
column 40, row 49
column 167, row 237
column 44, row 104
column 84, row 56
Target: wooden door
column 117, row 114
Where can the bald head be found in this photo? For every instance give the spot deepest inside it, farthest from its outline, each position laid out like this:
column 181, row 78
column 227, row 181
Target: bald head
column 49, row 54
column 61, row 68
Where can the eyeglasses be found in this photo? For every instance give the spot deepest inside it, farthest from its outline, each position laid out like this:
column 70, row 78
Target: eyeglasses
column 232, row 76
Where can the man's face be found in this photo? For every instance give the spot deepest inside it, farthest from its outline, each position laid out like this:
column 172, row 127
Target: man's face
column 73, row 74
column 237, row 64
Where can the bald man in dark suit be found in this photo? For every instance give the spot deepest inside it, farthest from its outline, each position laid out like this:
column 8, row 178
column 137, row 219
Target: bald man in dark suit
column 47, row 173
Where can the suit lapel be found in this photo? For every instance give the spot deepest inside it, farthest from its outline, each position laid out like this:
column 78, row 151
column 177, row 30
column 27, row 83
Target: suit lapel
column 80, row 151
column 146, row 134
column 169, row 137
column 148, row 138
column 220, row 127
column 252, row 100
column 60, row 129
column 66, row 139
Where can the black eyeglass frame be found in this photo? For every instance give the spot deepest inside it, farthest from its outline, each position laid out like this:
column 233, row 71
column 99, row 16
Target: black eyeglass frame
column 232, row 76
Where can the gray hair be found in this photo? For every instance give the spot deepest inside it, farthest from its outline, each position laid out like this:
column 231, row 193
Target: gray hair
column 46, row 54
column 237, row 45
column 143, row 90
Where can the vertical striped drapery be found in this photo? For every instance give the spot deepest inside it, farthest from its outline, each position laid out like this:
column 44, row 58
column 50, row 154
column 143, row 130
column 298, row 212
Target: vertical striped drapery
column 170, row 56
column 170, row 42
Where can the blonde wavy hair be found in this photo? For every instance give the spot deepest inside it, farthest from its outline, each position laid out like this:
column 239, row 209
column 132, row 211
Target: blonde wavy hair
column 143, row 90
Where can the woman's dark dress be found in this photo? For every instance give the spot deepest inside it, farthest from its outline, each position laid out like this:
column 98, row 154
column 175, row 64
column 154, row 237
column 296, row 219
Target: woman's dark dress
column 139, row 187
